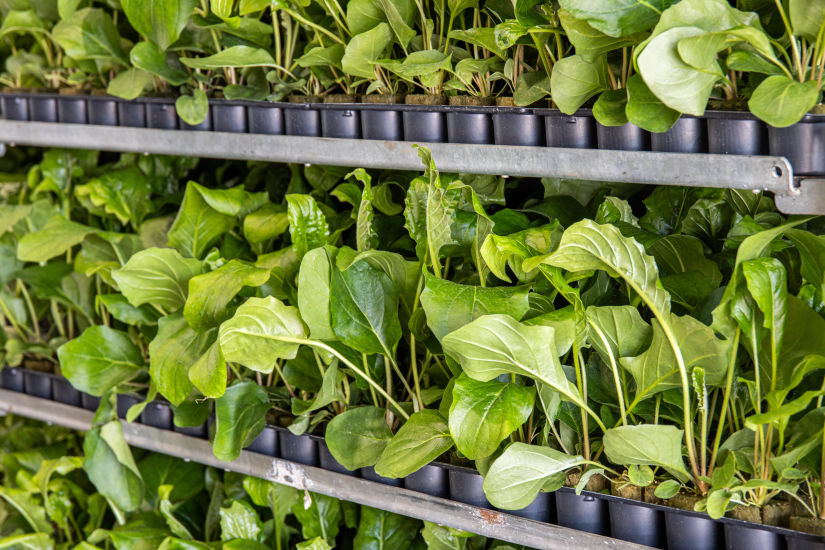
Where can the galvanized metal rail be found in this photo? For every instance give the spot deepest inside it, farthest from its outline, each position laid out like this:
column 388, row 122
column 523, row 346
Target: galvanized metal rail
column 757, row 173
column 489, row 523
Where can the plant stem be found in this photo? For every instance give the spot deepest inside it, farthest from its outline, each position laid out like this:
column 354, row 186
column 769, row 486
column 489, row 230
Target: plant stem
column 614, row 368
column 580, row 385
column 725, row 399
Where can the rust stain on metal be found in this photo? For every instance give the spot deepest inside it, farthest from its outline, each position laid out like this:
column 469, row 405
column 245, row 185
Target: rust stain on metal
column 492, row 517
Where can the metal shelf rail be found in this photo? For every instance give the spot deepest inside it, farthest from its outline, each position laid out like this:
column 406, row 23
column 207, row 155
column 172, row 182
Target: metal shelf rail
column 489, row 523
column 756, row 173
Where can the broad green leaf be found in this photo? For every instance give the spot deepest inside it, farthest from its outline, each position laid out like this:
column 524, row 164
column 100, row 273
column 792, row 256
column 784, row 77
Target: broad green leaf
column 193, row 109
column 122, row 193
column 266, row 223
column 307, row 224
column 483, row 37
column 210, row 293
column 587, row 245
column 422, row 439
column 516, row 477
column 314, row 293
column 618, row 17
column 380, row 530
column 806, row 18
column 208, row 373
column 148, row 57
column 25, row 503
column 239, row 418
column 325, row 395
column 99, row 359
column 483, row 414
column 589, row 42
column 203, row 217
column 257, row 335
column 321, row 519
column 33, row 541
column 645, row 110
column 677, row 254
column 172, row 352
column 617, row 331
column 656, row 369
column 160, row 22
column 812, row 251
column 364, row 50
column 234, row 56
column 450, row 305
column 357, row 437
column 498, row 344
column 58, row 236
column 645, row 445
column 158, row 469
column 90, row 34
column 610, row 108
column 130, row 83
column 157, row 276
column 240, row 521
column 780, row 101
column 678, row 85
column 575, row 80
column 322, row 57
column 318, row 543
column 768, row 285
column 364, row 308
column 398, row 15
column 109, row 464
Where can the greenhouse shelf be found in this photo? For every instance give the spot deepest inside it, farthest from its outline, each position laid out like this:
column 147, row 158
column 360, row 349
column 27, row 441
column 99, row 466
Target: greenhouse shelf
column 489, row 523
column 756, row 173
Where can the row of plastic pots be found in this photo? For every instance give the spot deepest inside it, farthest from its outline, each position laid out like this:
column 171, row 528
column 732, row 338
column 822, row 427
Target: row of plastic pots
column 630, row 520
column 717, row 132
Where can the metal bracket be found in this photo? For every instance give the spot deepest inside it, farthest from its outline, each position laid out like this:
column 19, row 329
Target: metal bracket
column 755, row 173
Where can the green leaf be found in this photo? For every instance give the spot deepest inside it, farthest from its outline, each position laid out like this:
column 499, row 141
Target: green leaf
column 574, row 81
column 618, row 17
column 204, row 216
column 364, row 309
column 172, row 352
column 656, row 369
column 90, row 34
column 322, row 57
column 325, row 395
column 157, row 276
column 160, row 22
column 587, row 245
column 617, row 331
column 497, row 344
column 255, row 335
column 321, row 519
column 208, row 373
column 318, row 543
column 645, row 110
column 99, row 359
column 806, row 18
column 589, row 42
column 780, row 101
column 609, row 109
column 678, row 85
column 129, row 84
column 239, row 418
column 148, row 57
column 516, row 477
column 266, row 223
column 812, row 251
column 193, row 109
column 58, row 236
column 159, row 469
column 211, row 293
column 667, row 489
column 450, row 305
column 768, row 285
column 422, row 439
column 646, row 445
column 30, row 510
column 357, row 437
column 234, row 56
column 483, row 414
column 364, row 50
column 314, row 293
column 122, row 193
column 109, row 464
column 379, row 530
column 240, row 521
column 307, row 224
